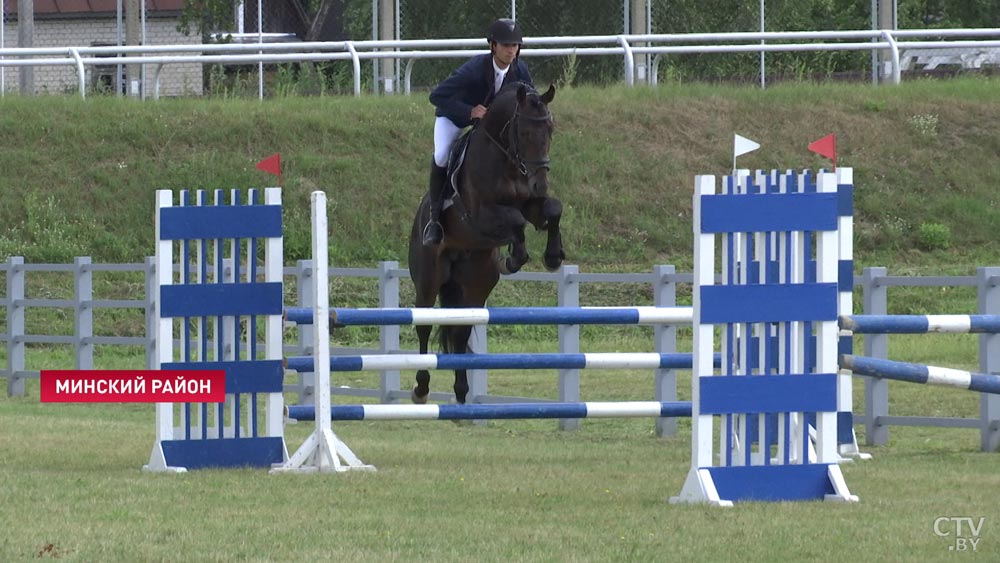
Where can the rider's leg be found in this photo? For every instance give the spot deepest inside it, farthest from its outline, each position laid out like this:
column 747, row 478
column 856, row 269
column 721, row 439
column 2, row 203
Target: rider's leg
column 445, row 133
column 433, row 232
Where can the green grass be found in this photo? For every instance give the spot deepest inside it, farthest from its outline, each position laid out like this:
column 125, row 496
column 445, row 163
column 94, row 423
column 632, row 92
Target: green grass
column 511, row 491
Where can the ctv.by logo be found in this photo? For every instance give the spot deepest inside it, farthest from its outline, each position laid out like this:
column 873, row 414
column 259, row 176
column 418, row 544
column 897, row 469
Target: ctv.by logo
column 964, row 531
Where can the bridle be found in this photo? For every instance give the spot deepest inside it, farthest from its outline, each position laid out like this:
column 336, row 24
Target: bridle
column 511, row 150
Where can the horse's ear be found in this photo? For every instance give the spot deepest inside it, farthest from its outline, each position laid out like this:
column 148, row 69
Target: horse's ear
column 522, row 92
column 549, row 94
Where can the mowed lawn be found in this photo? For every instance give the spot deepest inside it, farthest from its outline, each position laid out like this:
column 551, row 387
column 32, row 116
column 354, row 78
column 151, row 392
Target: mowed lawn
column 71, row 487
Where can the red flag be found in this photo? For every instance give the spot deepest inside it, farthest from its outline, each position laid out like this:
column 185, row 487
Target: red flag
column 271, row 164
column 827, row 146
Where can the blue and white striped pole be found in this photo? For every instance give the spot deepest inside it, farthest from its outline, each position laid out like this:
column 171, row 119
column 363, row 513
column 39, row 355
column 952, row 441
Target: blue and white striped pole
column 603, row 360
column 921, row 324
column 632, row 409
column 918, row 373
column 498, row 316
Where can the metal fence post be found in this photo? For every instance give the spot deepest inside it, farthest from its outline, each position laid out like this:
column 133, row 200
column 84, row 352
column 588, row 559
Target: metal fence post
column 388, row 297
column 875, row 302
column 665, row 342
column 988, row 282
column 569, row 342
column 151, row 299
column 478, row 378
column 15, row 326
column 83, row 289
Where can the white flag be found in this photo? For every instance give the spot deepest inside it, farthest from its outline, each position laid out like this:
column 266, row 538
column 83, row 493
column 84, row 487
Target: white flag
column 742, row 145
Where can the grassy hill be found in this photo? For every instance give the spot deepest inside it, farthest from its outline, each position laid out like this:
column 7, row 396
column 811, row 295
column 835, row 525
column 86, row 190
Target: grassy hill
column 78, row 176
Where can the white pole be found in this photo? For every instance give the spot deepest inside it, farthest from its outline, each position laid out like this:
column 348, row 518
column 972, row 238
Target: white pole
column 626, row 23
column 513, row 10
column 762, row 42
column 117, row 84
column 260, row 40
column 142, row 41
column 3, row 70
column 240, row 16
column 874, row 53
column 399, row 36
column 375, row 69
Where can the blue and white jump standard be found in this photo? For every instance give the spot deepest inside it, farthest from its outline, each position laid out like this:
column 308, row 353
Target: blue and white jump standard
column 778, row 228
column 209, row 303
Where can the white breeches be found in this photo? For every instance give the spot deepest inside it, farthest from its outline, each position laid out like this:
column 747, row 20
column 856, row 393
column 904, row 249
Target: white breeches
column 445, row 133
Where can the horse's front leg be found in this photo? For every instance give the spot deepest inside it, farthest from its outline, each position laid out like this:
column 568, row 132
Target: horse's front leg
column 518, row 254
column 545, row 214
column 506, row 224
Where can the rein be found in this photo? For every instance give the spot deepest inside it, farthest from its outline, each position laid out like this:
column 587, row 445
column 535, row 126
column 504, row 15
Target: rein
column 511, row 150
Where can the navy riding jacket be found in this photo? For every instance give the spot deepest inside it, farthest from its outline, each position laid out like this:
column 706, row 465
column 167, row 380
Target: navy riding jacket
column 470, row 85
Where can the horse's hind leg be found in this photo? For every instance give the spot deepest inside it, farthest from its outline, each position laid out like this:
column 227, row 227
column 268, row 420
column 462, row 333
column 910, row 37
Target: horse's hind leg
column 422, row 389
column 459, row 344
column 476, row 277
column 545, row 214
column 427, row 269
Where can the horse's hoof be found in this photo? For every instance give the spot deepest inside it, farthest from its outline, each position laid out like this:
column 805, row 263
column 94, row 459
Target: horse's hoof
column 553, row 261
column 417, row 400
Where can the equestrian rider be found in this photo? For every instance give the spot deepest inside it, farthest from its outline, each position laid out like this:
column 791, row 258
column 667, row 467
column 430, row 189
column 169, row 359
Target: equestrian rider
column 463, row 98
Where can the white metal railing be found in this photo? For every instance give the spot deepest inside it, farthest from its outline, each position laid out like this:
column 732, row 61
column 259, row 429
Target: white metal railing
column 626, row 46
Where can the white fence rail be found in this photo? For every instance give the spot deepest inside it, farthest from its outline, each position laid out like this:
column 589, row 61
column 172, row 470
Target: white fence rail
column 970, row 41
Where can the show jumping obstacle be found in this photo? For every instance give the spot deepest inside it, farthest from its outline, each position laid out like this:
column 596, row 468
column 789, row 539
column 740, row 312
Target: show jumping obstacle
column 323, row 450
column 776, row 306
column 778, row 322
column 209, row 306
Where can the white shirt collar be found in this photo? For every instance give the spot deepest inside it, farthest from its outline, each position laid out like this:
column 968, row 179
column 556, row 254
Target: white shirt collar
column 498, row 75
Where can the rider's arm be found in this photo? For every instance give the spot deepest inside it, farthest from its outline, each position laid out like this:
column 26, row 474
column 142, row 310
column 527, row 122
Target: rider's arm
column 449, row 95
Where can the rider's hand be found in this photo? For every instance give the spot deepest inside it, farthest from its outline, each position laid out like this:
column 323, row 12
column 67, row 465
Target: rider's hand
column 478, row 112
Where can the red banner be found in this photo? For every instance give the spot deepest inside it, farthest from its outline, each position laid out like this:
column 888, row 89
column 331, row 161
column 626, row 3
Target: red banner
column 133, row 386
column 271, row 164
column 827, row 146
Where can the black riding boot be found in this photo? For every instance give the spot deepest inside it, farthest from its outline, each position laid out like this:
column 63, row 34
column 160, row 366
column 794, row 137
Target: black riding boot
column 434, row 232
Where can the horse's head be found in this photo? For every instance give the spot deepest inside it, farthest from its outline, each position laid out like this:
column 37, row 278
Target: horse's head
column 525, row 131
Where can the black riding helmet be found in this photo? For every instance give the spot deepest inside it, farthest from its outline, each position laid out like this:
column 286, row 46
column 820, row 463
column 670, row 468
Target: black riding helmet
column 504, row 30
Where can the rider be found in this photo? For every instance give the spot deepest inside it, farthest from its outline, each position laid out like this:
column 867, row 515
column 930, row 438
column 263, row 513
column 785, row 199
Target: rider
column 462, row 98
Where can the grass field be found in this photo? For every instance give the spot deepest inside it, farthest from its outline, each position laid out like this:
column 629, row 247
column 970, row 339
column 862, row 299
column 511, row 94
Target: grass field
column 71, row 487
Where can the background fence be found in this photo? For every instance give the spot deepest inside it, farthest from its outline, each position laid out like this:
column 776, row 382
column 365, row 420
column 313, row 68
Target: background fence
column 110, row 305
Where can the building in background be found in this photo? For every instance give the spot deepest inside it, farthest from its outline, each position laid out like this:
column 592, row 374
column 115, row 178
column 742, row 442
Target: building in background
column 82, row 23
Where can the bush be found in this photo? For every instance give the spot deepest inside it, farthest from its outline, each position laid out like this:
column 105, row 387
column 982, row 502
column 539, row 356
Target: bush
column 933, row 236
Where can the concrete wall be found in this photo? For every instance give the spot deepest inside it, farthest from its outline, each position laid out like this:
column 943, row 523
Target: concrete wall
column 175, row 79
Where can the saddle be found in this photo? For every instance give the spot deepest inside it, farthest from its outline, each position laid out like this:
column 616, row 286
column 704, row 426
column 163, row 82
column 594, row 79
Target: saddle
column 455, row 160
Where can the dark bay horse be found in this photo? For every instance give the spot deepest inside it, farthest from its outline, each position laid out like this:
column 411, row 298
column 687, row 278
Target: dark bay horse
column 502, row 187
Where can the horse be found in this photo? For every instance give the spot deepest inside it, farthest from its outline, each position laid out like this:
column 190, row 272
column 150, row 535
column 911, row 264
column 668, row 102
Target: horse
column 502, row 186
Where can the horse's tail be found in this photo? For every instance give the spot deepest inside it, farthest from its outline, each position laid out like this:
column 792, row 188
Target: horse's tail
column 451, row 296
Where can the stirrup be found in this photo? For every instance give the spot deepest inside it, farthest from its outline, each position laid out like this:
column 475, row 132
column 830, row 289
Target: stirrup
column 433, row 233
